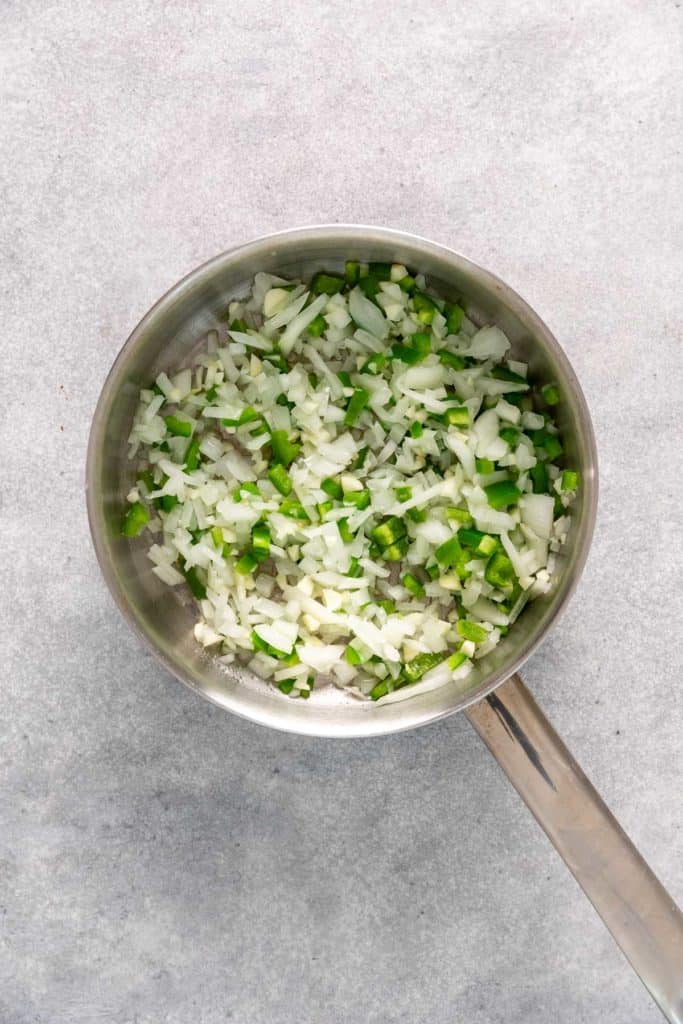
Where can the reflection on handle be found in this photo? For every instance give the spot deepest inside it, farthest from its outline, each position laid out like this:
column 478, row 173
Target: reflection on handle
column 640, row 914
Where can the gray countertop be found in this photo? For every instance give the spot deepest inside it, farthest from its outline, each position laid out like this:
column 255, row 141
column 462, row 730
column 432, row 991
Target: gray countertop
column 159, row 859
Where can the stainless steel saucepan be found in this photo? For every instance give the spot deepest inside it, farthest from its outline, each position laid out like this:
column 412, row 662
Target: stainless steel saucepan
column 636, row 908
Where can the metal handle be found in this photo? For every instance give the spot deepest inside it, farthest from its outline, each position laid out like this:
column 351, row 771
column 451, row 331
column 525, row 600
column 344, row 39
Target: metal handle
column 635, row 906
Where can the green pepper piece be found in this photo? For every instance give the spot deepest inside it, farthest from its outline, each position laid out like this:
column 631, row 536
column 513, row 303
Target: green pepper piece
column 539, row 478
column 421, row 664
column 375, row 364
column 355, row 569
column 324, row 283
column 194, row 582
column 260, row 542
column 166, row 502
column 551, row 394
column 454, row 317
column 422, row 343
column 369, row 285
column 460, row 515
column 247, row 563
column 359, row 399
column 178, row 427
column 396, row 551
column 332, row 488
column 413, row 585
column 382, row 271
column 284, row 450
column 425, row 307
column 510, row 436
column 248, row 415
column 470, row 538
column 451, row 359
column 192, row 455
column 502, row 493
column 448, row 553
column 486, row 546
column 505, row 373
column 417, row 515
column 135, row 519
column 361, row 499
column 344, row 531
column 499, row 571
column 547, row 443
column 294, row 510
column 406, row 354
column 359, row 460
column 317, row 326
column 471, row 631
column 388, row 531
column 552, row 446
column 147, row 478
column 352, row 271
column 280, row 479
column 457, row 416
column 352, row 656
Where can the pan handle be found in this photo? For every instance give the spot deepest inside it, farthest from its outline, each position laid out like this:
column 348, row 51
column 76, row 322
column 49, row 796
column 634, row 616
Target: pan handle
column 635, row 906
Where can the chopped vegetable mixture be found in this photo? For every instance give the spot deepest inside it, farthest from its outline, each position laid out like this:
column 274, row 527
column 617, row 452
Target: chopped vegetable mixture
column 355, row 482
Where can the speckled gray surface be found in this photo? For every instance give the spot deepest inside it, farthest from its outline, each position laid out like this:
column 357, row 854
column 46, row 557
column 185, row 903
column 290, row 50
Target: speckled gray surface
column 160, row 860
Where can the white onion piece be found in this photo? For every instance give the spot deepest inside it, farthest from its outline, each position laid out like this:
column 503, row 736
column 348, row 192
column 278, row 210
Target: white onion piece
column 464, row 453
column 299, row 324
column 488, row 343
column 485, row 430
column 281, row 635
column 251, row 340
column 286, row 315
column 537, row 511
column 366, row 314
column 320, row 659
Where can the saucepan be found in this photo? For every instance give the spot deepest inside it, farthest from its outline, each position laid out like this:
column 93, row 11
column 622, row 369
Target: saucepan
column 636, row 908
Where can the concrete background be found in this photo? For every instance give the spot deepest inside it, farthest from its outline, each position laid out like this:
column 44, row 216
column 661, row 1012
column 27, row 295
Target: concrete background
column 161, row 861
